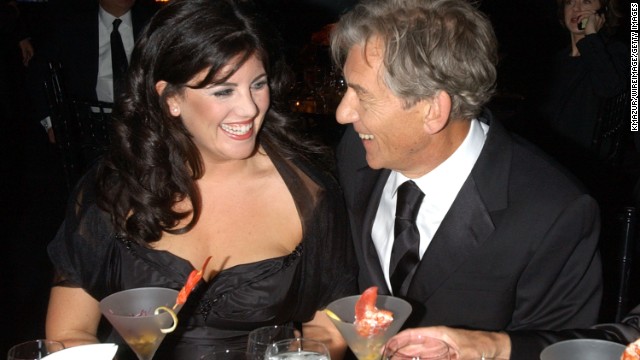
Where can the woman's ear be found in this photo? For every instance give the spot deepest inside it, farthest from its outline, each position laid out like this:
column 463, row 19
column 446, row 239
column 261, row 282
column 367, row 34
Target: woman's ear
column 436, row 112
column 174, row 106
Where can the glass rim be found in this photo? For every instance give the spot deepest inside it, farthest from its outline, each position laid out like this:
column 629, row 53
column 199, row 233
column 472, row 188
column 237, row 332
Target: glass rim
column 46, row 341
column 299, row 340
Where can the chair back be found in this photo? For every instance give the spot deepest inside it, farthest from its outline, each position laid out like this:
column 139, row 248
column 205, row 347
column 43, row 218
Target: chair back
column 81, row 127
column 610, row 134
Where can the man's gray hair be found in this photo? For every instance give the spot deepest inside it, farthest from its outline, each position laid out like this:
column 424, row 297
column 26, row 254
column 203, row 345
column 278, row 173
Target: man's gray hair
column 429, row 46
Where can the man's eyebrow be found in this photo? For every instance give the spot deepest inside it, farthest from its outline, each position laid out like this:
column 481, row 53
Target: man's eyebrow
column 358, row 89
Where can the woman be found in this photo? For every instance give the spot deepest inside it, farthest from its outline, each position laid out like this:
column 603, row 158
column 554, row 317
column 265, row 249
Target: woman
column 593, row 68
column 202, row 164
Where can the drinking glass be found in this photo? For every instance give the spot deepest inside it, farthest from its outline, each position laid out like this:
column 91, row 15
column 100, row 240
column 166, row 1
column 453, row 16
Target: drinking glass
column 227, row 355
column 416, row 348
column 297, row 349
column 261, row 338
column 368, row 347
column 34, row 349
column 143, row 317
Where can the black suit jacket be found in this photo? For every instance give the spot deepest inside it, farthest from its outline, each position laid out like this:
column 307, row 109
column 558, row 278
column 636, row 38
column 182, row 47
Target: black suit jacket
column 516, row 250
column 74, row 44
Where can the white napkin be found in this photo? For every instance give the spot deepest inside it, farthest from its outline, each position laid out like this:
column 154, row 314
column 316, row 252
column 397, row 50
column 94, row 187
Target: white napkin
column 84, row 352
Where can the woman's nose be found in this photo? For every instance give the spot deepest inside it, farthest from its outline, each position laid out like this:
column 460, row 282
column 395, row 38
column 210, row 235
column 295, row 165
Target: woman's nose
column 248, row 106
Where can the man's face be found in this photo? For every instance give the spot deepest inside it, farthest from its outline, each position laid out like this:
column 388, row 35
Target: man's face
column 392, row 134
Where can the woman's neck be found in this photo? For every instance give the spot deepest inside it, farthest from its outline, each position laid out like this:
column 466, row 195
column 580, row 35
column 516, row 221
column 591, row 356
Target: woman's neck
column 574, row 41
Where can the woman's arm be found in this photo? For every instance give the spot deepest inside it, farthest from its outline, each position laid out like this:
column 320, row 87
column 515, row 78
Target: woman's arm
column 72, row 317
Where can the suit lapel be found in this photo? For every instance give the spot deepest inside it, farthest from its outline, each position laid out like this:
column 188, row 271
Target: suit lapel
column 371, row 259
column 472, row 216
column 463, row 229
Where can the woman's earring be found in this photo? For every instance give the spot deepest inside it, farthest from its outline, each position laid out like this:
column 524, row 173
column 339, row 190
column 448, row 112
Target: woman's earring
column 174, row 111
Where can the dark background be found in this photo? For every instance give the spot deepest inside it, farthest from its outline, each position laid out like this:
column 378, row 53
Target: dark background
column 32, row 186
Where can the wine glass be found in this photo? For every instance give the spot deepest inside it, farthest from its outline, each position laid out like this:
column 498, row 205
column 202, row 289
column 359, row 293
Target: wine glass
column 143, row 317
column 416, row 348
column 261, row 338
column 297, row 349
column 34, row 349
column 368, row 347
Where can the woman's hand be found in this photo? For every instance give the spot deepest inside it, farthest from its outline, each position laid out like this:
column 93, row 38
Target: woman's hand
column 465, row 344
column 595, row 21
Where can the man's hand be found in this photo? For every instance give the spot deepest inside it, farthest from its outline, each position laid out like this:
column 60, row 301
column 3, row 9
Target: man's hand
column 465, row 344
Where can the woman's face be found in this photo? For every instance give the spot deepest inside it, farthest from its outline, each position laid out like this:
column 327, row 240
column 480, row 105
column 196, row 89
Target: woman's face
column 224, row 119
column 575, row 10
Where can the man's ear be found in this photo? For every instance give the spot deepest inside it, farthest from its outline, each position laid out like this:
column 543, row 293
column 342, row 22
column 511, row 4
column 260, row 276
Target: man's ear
column 172, row 104
column 436, row 112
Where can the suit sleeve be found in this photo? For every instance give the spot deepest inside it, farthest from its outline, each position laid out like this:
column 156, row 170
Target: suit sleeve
column 562, row 285
column 527, row 344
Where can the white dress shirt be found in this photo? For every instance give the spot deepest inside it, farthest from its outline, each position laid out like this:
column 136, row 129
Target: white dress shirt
column 104, row 86
column 440, row 187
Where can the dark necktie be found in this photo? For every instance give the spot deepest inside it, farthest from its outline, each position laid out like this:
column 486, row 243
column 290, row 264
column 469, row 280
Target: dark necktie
column 405, row 254
column 118, row 59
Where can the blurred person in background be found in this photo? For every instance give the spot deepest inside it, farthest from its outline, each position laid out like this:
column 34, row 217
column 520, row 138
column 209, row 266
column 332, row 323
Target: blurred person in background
column 591, row 69
column 80, row 41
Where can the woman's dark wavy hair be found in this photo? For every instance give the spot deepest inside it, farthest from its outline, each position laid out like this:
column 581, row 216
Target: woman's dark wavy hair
column 153, row 163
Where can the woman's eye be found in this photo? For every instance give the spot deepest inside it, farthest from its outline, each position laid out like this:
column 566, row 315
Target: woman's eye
column 224, row 92
column 259, row 85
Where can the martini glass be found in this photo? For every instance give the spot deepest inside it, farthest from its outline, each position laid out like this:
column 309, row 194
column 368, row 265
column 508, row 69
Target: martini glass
column 368, row 347
column 142, row 316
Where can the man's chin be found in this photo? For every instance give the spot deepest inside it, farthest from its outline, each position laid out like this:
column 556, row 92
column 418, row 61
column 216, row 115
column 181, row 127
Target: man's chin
column 373, row 164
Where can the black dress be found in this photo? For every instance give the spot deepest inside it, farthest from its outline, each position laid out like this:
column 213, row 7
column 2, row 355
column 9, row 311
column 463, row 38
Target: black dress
column 88, row 253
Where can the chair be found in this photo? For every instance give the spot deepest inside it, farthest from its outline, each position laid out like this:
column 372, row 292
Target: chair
column 81, row 127
column 628, row 223
column 610, row 134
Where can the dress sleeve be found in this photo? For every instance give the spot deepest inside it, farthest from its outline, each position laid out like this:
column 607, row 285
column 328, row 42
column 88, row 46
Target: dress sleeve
column 81, row 250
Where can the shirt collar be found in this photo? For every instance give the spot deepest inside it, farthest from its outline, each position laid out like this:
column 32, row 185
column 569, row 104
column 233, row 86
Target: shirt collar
column 107, row 19
column 446, row 179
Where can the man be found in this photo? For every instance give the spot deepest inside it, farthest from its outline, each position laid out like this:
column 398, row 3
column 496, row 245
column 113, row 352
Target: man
column 503, row 238
column 81, row 43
